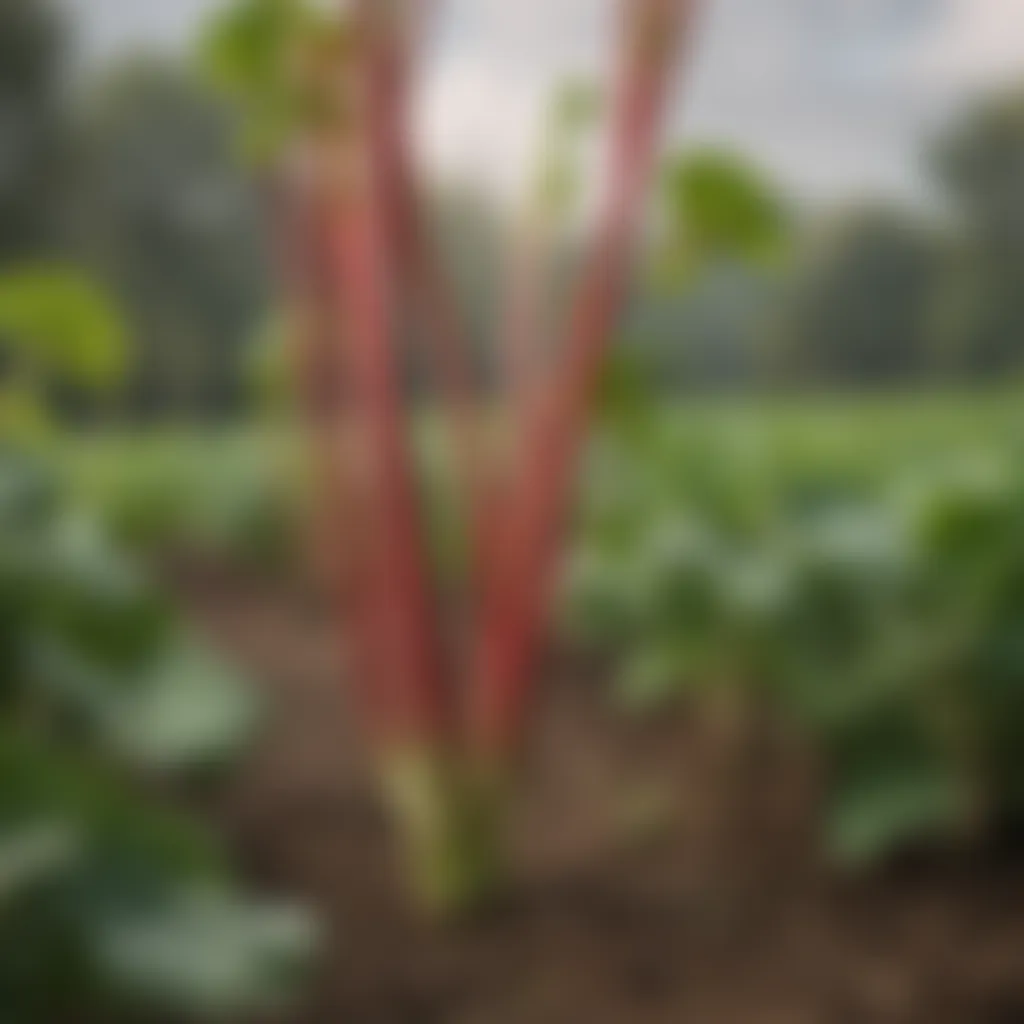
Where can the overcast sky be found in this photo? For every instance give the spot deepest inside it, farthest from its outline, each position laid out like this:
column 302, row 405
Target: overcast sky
column 834, row 96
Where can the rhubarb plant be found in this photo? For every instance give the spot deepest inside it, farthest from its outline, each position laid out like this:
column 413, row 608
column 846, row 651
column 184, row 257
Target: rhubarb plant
column 448, row 709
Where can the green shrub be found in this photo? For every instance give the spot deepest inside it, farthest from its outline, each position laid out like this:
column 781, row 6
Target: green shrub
column 868, row 577
column 231, row 497
column 109, row 902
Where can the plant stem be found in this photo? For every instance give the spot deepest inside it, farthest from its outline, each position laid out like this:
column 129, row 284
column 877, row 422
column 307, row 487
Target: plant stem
column 451, row 820
column 509, row 646
column 445, row 749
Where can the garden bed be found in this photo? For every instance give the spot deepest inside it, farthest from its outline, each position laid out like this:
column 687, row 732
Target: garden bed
column 665, row 871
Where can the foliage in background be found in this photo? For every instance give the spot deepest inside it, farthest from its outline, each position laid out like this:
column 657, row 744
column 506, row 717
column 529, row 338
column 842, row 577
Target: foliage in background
column 862, row 309
column 252, row 53
column 718, row 208
column 863, row 570
column 34, row 129
column 234, row 496
column 977, row 162
column 55, row 324
column 139, row 183
column 168, row 222
column 856, row 564
column 59, row 335
column 705, row 318
column 744, row 294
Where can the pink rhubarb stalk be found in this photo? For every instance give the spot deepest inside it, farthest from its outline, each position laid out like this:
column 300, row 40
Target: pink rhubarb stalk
column 451, row 716
column 510, row 642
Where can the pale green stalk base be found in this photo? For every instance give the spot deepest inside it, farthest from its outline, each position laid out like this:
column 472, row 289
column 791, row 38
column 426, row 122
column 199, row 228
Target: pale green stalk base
column 450, row 820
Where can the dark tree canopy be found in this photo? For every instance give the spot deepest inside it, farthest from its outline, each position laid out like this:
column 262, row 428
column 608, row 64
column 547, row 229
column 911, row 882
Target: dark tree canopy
column 175, row 227
column 33, row 127
column 861, row 309
column 981, row 164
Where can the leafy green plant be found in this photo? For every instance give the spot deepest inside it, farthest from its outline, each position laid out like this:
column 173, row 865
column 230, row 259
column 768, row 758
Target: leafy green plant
column 268, row 57
column 235, row 497
column 108, row 901
column 53, row 322
column 56, row 328
column 872, row 587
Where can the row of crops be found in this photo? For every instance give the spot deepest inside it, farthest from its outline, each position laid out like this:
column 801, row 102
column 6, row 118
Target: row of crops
column 858, row 565
column 235, row 495
column 859, row 568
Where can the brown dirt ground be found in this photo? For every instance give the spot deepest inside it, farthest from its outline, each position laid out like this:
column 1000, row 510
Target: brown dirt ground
column 665, row 872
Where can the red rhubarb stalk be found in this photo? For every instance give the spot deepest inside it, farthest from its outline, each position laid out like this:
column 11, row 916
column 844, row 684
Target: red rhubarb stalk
column 392, row 44
column 511, row 640
column 447, row 728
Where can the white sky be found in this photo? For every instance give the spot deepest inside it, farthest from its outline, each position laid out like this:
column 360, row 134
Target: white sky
column 834, row 96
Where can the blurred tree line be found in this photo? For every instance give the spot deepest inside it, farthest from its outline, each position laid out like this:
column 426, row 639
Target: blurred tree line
column 131, row 171
column 742, row 291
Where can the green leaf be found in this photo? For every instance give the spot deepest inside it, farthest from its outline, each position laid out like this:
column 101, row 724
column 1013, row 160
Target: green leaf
column 99, row 601
column 127, row 836
column 718, row 207
column 209, row 953
column 189, row 714
column 24, row 416
column 892, row 784
column 56, row 322
column 874, row 817
column 255, row 53
column 652, row 679
column 35, row 856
